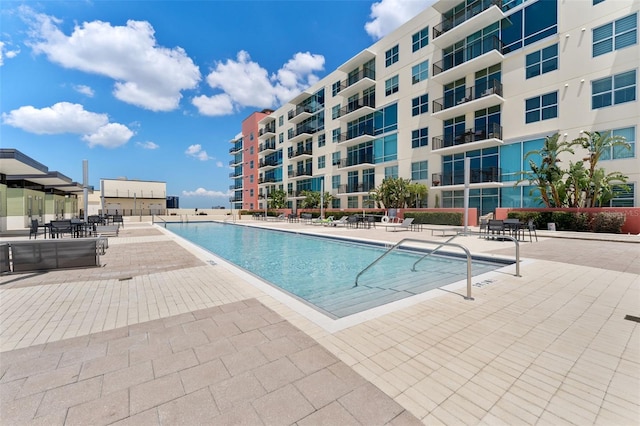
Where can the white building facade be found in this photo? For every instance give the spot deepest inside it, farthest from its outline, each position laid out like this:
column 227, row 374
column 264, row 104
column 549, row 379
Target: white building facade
column 486, row 80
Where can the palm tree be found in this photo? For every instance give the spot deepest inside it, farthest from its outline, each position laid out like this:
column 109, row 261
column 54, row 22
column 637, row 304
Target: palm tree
column 392, row 193
column 278, row 199
column 417, row 192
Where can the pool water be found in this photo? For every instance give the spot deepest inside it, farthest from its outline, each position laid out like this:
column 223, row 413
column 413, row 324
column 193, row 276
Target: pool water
column 322, row 271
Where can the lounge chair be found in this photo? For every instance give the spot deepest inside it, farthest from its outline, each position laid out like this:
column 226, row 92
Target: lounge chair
column 341, row 222
column 320, row 221
column 406, row 225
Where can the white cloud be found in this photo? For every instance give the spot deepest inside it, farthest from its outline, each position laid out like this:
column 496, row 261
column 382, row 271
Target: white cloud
column 387, row 15
column 245, row 83
column 110, row 135
column 5, row 52
column 147, row 145
column 145, row 74
column 65, row 117
column 85, row 90
column 196, row 151
column 219, row 164
column 201, row 192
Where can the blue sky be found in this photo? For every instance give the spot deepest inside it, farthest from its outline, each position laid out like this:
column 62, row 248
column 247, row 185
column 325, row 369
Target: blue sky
column 154, row 90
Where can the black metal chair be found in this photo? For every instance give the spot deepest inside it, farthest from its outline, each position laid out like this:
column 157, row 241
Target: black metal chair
column 60, row 227
column 495, row 228
column 530, row 227
column 35, row 229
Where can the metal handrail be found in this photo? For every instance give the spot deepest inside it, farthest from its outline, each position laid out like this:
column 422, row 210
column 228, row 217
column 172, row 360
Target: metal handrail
column 466, row 250
column 413, row 268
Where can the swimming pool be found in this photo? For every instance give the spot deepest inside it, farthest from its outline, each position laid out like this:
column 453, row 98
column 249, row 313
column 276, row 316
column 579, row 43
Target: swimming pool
column 322, row 271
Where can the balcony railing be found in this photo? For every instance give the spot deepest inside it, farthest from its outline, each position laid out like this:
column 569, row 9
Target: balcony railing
column 298, row 173
column 267, row 129
column 304, row 130
column 355, row 133
column 235, row 186
column 364, row 73
column 270, row 145
column 356, row 105
column 235, row 199
column 487, row 175
column 235, row 174
column 299, row 110
column 269, row 179
column 470, row 94
column 491, row 131
column 235, row 148
column 358, row 187
column 299, row 152
column 296, row 193
column 268, row 162
column 469, row 52
column 464, row 15
column 349, row 162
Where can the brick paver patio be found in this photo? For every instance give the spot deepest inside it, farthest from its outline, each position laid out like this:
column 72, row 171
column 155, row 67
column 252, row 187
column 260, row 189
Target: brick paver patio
column 166, row 334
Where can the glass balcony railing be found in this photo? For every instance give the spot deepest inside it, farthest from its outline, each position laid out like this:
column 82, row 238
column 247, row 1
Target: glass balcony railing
column 485, row 175
column 356, row 132
column 358, row 187
column 350, row 162
column 356, row 105
column 299, row 152
column 353, row 79
column 269, row 162
column 270, row 145
column 301, row 172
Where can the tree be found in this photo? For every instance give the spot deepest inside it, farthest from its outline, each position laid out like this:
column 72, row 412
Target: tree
column 417, row 193
column 312, row 199
column 392, row 193
column 278, row 199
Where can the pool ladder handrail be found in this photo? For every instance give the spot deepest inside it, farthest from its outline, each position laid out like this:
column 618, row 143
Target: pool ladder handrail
column 399, row 243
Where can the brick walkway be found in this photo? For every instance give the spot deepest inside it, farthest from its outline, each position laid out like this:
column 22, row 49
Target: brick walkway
column 164, row 333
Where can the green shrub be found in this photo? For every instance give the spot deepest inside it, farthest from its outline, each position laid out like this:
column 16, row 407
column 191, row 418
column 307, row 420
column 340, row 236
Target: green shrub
column 436, row 218
column 608, row 222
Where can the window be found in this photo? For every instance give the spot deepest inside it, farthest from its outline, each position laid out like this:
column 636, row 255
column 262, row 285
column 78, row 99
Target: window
column 391, row 172
column 524, row 27
column 251, row 164
column 335, row 111
column 335, row 182
column 250, row 178
column 615, row 35
column 623, row 196
column 335, row 88
column 321, row 162
column 420, row 39
column 541, row 107
column 281, row 138
column 420, row 72
column 322, row 140
column 542, row 61
column 419, row 170
column 391, row 56
column 391, row 85
column 251, row 150
column 335, row 203
column 620, row 152
column 597, row 1
column 352, row 202
column 289, row 133
column 281, row 120
column 335, row 135
column 420, row 137
column 251, row 136
column 335, row 158
column 420, row 105
column 614, row 90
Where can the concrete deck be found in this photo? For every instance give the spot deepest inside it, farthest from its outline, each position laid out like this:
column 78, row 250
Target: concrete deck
column 165, row 333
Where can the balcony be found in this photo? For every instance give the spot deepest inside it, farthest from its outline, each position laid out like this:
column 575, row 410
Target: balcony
column 269, row 179
column 362, row 162
column 470, row 139
column 269, row 163
column 357, row 109
column 472, row 99
column 302, row 153
column 235, row 199
column 479, row 178
column 365, row 78
column 474, row 17
column 267, row 131
column 478, row 55
column 302, row 134
column 235, row 174
column 235, row 161
column 268, row 146
column 357, row 136
column 355, row 188
column 235, row 186
column 300, row 113
column 302, row 173
column 235, row 148
column 296, row 194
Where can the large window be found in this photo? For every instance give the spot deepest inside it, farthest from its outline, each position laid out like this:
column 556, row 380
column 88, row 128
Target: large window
column 542, row 61
column 615, row 35
column 420, row 72
column 335, row 158
column 613, row 90
column 391, row 172
column 386, row 148
column 322, row 140
column 335, row 111
column 623, row 196
column 335, row 88
column 335, row 135
column 391, row 56
column 420, row 137
column 335, row 181
column 419, row 170
column 321, row 162
column 620, row 152
column 420, row 39
column 541, row 107
column 391, row 86
column 420, row 105
column 535, row 22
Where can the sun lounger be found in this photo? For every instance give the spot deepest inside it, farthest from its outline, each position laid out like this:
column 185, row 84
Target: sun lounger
column 406, row 225
column 341, row 222
column 107, row 230
column 319, row 221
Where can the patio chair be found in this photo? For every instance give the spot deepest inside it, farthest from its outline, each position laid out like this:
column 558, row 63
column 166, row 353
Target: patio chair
column 340, row 222
column 406, row 225
column 117, row 219
column 495, row 228
column 530, row 226
column 484, row 226
column 35, row 229
column 60, row 227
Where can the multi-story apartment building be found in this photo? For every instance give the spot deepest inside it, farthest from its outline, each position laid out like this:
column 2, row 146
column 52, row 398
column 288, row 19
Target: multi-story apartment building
column 482, row 79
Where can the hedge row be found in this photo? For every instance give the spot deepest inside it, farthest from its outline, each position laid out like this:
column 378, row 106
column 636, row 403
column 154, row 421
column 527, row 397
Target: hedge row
column 608, row 222
column 436, row 218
